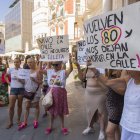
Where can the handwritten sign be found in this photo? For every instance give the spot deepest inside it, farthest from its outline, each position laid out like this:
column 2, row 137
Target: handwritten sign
column 23, row 74
column 112, row 40
column 54, row 48
column 82, row 55
column 2, row 46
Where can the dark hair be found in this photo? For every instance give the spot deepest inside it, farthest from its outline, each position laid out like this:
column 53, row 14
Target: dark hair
column 27, row 57
column 17, row 58
column 112, row 75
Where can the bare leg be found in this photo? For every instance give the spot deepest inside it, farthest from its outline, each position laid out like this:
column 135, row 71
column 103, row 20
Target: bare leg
column 12, row 101
column 37, row 112
column 52, row 120
column 102, row 122
column 28, row 105
column 102, row 126
column 19, row 111
column 117, row 133
column 112, row 130
column 62, row 120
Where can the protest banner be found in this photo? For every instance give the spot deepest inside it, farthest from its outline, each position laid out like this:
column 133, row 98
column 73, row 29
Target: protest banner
column 112, row 40
column 82, row 55
column 54, row 48
column 2, row 46
column 23, row 74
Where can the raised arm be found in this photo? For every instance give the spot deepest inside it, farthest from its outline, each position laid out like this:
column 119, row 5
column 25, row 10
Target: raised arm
column 118, row 85
column 81, row 74
column 70, row 67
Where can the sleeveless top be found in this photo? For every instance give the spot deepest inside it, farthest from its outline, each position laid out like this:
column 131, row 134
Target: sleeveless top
column 61, row 78
column 30, row 85
column 131, row 111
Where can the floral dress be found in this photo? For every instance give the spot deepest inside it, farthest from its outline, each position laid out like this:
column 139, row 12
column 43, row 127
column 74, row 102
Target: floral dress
column 3, row 86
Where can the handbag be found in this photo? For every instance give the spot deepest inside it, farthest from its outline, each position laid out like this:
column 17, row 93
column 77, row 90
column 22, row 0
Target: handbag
column 47, row 101
column 30, row 95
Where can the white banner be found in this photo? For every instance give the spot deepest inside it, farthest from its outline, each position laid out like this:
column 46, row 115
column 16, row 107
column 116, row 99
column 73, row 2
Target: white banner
column 82, row 55
column 2, row 47
column 54, row 48
column 23, row 74
column 112, row 40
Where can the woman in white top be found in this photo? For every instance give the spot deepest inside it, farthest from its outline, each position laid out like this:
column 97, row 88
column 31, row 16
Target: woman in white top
column 16, row 92
column 32, row 84
column 57, row 81
column 130, row 87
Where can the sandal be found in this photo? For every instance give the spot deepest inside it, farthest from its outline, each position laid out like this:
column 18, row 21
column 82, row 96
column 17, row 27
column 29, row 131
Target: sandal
column 48, row 131
column 65, row 131
column 9, row 126
column 35, row 124
column 22, row 125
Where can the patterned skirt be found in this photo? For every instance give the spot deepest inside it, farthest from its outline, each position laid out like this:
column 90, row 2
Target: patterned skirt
column 60, row 104
column 4, row 94
column 114, row 106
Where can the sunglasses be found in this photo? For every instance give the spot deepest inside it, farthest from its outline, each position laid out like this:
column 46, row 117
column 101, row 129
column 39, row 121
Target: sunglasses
column 55, row 65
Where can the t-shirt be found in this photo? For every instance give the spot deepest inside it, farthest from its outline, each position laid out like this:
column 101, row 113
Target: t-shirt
column 14, row 82
column 60, row 79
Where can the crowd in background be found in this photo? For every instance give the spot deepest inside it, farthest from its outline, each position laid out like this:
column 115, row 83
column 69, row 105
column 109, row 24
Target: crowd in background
column 112, row 96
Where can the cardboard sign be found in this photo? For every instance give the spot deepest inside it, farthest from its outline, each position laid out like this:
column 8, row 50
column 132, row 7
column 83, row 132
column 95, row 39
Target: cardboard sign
column 54, row 48
column 82, row 55
column 23, row 74
column 112, row 40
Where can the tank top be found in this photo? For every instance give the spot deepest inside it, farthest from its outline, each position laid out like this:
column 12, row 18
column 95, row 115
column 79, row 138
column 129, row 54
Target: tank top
column 131, row 111
column 30, row 85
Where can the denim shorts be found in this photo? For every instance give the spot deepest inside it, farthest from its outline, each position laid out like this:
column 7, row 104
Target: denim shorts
column 16, row 91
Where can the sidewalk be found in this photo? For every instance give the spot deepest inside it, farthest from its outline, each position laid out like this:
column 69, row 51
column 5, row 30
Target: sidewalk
column 75, row 121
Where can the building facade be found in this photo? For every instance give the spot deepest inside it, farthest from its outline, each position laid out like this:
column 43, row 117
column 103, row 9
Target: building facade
column 97, row 7
column 2, row 32
column 18, row 26
column 39, row 20
column 60, row 20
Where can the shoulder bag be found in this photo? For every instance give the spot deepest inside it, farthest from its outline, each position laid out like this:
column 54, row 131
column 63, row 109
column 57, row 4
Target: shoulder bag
column 47, row 101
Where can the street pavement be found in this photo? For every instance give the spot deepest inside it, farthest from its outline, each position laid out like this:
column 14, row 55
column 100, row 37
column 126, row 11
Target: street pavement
column 75, row 121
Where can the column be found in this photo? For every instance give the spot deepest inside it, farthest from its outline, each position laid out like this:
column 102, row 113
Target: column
column 107, row 5
column 126, row 2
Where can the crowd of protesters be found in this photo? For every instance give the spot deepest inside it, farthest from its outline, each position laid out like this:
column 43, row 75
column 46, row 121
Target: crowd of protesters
column 112, row 96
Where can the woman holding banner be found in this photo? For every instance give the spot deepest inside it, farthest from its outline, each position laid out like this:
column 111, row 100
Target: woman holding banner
column 3, row 84
column 16, row 92
column 129, row 86
column 57, row 81
column 95, row 97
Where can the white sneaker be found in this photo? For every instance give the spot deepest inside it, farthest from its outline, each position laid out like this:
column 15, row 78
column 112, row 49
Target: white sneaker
column 101, row 136
column 88, row 130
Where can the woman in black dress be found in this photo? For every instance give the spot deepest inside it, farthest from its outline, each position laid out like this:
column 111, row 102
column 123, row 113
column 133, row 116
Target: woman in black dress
column 114, row 106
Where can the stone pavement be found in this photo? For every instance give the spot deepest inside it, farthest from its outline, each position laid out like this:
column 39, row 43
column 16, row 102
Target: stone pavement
column 75, row 121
